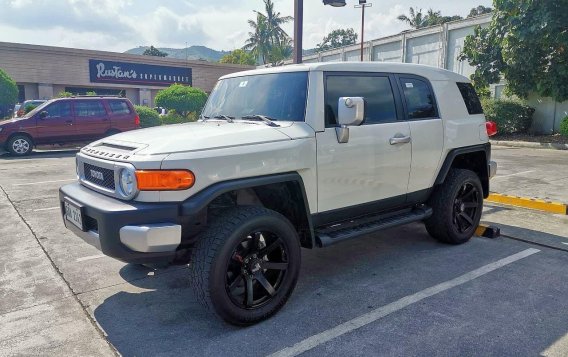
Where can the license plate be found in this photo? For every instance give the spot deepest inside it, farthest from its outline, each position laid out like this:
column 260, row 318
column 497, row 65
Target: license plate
column 74, row 215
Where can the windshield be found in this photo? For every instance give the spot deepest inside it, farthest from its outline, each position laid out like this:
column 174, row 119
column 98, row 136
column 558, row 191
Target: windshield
column 37, row 109
column 278, row 96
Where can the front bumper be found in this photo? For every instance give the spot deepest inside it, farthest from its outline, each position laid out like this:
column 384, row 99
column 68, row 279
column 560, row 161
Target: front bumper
column 132, row 232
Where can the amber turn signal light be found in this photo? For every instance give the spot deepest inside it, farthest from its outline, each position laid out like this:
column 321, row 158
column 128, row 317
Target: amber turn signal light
column 162, row 180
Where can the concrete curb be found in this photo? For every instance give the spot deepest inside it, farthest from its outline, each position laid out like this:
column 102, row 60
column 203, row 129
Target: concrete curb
column 530, row 203
column 526, row 144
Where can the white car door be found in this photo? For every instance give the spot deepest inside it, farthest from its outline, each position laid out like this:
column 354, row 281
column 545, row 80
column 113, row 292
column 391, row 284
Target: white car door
column 374, row 165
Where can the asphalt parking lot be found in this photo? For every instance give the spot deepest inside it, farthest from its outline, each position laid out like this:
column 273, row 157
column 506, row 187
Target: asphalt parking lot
column 394, row 293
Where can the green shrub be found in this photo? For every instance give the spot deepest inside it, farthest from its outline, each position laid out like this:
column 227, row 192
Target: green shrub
column 181, row 98
column 564, row 126
column 148, row 116
column 511, row 116
column 173, row 117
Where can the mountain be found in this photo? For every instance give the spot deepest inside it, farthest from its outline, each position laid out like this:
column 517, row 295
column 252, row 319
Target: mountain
column 192, row 53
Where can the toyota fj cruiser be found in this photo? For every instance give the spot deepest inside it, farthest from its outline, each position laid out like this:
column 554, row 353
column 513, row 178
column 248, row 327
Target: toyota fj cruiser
column 282, row 158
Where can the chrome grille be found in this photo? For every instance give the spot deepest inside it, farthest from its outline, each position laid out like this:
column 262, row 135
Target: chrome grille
column 99, row 176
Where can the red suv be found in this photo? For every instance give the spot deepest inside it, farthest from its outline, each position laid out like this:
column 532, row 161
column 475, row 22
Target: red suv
column 66, row 120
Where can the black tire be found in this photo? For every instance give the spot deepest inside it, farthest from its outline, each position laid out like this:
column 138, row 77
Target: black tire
column 20, row 145
column 224, row 258
column 457, row 206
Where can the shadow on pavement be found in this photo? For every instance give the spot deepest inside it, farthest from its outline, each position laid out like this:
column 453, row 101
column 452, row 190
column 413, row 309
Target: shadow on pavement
column 159, row 314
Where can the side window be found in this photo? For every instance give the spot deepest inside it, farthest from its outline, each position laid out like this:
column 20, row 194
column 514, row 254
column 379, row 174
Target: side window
column 419, row 98
column 58, row 110
column 470, row 98
column 380, row 106
column 89, row 109
column 119, row 107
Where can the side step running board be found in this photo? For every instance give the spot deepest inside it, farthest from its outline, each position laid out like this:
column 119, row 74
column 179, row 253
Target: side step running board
column 365, row 225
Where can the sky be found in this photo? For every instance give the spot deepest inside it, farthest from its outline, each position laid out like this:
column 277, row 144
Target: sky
column 118, row 25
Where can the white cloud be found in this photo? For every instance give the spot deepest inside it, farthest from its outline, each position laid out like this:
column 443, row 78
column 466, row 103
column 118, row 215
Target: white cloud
column 118, row 25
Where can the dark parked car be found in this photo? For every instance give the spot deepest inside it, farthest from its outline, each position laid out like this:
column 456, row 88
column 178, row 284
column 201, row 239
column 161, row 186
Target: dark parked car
column 67, row 120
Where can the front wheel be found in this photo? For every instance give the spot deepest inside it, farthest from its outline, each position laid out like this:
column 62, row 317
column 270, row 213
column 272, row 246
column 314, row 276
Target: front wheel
column 246, row 264
column 20, row 145
column 457, row 206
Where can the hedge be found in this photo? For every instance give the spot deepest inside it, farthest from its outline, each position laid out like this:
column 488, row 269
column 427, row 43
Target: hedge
column 148, row 116
column 511, row 116
column 564, row 126
column 174, row 117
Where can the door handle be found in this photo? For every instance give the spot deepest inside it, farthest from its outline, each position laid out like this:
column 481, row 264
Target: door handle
column 400, row 140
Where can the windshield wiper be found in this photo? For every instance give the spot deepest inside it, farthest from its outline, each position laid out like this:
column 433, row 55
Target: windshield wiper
column 228, row 118
column 264, row 118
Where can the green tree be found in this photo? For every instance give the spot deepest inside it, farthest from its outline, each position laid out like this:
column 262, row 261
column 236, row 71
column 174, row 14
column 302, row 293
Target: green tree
column 91, row 93
column 527, row 43
column 64, row 94
column 148, row 117
column 267, row 34
column 8, row 90
column 153, row 51
column 239, row 56
column 338, row 38
column 181, row 98
column 416, row 19
column 480, row 10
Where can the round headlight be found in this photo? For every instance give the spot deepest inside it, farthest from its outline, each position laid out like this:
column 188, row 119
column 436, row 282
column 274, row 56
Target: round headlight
column 128, row 182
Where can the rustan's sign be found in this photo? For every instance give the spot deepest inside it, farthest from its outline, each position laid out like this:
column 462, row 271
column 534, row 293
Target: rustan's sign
column 137, row 73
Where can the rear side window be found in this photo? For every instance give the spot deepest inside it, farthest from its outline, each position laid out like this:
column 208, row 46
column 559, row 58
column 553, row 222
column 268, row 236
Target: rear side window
column 58, row 110
column 470, row 98
column 119, row 107
column 379, row 99
column 89, row 109
column 419, row 98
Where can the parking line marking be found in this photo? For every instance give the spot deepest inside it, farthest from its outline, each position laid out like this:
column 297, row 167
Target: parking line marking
column 515, row 174
column 46, row 209
column 564, row 243
column 41, row 182
column 372, row 316
column 90, row 257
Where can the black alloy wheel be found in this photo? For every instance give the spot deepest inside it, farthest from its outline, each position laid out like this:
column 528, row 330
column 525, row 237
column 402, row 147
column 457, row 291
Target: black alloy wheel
column 246, row 264
column 466, row 206
column 256, row 270
column 457, row 205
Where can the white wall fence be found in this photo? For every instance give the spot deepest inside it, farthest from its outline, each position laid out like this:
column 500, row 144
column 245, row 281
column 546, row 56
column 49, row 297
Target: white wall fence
column 439, row 46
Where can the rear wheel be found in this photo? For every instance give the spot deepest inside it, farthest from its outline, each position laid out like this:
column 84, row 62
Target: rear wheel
column 457, row 205
column 246, row 265
column 20, row 145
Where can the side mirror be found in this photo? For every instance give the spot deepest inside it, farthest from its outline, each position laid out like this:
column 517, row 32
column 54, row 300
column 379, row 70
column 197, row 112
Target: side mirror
column 43, row 114
column 350, row 112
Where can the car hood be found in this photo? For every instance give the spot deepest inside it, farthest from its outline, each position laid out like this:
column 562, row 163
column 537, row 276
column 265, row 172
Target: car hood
column 200, row 136
column 11, row 121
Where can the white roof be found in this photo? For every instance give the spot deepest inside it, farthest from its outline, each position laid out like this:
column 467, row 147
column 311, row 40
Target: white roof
column 429, row 72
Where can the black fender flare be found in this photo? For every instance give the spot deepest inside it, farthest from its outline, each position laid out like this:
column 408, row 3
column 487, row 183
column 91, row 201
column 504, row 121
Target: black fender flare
column 198, row 202
column 448, row 161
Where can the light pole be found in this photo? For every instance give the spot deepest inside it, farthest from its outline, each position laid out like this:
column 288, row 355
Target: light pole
column 363, row 4
column 299, row 24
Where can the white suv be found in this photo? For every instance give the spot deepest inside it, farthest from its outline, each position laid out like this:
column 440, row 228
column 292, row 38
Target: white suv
column 283, row 158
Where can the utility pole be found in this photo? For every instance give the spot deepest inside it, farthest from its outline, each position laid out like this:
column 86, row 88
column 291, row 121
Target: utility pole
column 298, row 25
column 363, row 4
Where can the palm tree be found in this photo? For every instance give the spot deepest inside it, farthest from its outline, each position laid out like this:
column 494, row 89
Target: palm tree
column 416, row 19
column 274, row 21
column 258, row 42
column 267, row 34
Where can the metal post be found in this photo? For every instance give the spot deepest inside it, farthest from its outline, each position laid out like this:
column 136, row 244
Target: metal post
column 363, row 4
column 298, row 25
